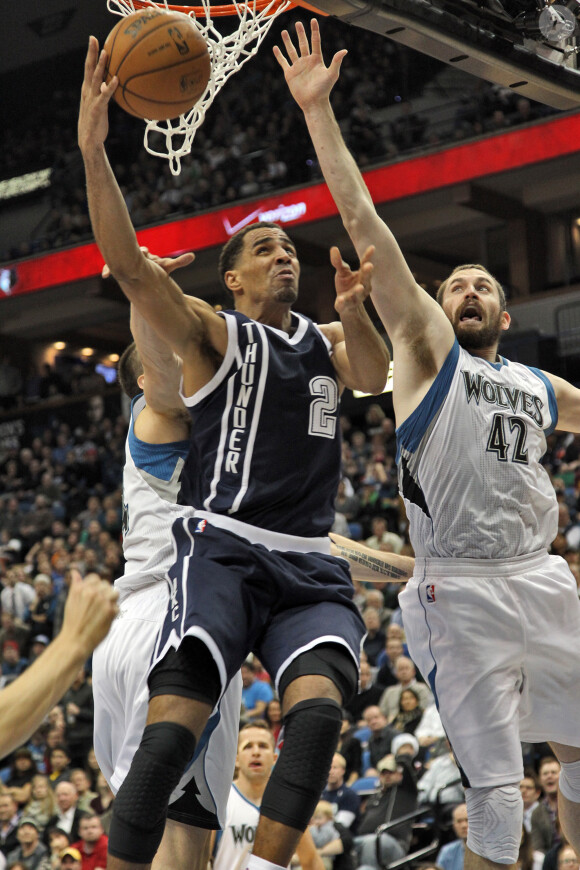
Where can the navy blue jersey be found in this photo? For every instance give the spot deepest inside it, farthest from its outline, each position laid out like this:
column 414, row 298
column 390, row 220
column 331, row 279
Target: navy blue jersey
column 265, row 430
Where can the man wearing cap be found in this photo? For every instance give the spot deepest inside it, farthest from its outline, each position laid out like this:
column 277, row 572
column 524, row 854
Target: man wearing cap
column 31, row 851
column 71, row 859
column 397, row 796
column 93, row 842
column 37, row 647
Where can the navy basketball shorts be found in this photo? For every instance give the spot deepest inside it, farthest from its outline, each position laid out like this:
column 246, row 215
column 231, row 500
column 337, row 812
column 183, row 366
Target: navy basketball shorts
column 252, row 593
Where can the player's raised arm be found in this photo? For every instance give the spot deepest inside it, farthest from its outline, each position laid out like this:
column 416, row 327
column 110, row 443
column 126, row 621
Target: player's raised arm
column 400, row 302
column 360, row 356
column 143, row 280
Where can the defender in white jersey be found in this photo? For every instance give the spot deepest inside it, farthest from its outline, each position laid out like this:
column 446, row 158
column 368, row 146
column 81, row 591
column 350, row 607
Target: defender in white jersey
column 157, row 444
column 492, row 620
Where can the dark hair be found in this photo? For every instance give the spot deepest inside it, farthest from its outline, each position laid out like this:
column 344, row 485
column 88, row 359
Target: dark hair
column 129, row 368
column 233, row 247
column 60, row 747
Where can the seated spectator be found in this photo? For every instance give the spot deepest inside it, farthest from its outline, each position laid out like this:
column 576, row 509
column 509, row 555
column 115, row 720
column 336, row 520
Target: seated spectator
column 379, row 743
column 17, row 595
column 549, row 777
column 344, row 801
column 387, row 660
column 350, row 748
column 40, row 616
column 71, row 859
column 102, row 805
column 256, row 694
column 80, row 779
column 57, row 842
column 79, row 711
column 9, row 818
column 441, row 782
column 537, row 821
column 13, row 664
column 30, row 851
column 22, row 771
column 59, row 762
column 368, row 694
column 11, row 630
column 93, row 843
column 397, row 796
column 410, row 712
column 407, row 679
column 381, row 536
column 430, row 731
column 68, row 815
column 42, row 804
column 37, row 646
column 333, row 841
column 273, row 716
column 452, row 855
column 374, row 639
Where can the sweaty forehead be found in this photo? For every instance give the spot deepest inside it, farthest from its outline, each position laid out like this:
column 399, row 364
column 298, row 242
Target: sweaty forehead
column 465, row 275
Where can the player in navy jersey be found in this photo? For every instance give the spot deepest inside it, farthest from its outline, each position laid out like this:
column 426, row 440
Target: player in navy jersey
column 491, row 619
column 253, row 570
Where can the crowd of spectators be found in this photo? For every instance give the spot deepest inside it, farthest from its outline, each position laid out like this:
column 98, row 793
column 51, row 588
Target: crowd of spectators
column 253, row 139
column 61, row 505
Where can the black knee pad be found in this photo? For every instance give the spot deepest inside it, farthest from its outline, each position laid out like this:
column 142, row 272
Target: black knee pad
column 311, row 731
column 140, row 808
column 329, row 660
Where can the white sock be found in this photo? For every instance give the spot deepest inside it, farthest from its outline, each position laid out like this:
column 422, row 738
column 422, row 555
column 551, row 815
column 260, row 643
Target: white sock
column 256, row 863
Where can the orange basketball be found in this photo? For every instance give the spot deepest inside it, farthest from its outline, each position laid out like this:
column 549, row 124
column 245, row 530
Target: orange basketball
column 162, row 62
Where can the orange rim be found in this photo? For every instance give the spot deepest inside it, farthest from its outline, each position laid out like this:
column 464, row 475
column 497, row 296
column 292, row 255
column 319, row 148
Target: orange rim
column 228, row 9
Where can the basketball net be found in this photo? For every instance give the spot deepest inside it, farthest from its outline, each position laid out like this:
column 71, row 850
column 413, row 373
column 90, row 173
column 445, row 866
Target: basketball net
column 227, row 55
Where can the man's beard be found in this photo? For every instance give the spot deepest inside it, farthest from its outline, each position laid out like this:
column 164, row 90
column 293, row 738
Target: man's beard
column 470, row 339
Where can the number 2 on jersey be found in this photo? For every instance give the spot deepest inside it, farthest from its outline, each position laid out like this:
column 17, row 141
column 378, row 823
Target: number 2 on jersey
column 323, row 407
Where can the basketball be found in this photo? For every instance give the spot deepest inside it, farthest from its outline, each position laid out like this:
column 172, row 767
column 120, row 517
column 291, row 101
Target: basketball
column 162, row 62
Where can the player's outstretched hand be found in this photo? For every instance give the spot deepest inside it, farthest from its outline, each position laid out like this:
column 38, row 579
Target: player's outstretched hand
column 93, row 125
column 91, row 606
column 168, row 264
column 309, row 80
column 352, row 288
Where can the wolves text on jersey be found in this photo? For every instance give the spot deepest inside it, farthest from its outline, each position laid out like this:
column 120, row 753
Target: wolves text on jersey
column 477, row 387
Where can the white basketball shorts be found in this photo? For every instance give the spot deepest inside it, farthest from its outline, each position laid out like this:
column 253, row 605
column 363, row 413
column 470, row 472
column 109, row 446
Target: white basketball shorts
column 121, row 665
column 499, row 644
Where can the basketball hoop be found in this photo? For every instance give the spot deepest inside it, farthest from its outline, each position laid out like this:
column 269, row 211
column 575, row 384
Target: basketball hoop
column 227, row 55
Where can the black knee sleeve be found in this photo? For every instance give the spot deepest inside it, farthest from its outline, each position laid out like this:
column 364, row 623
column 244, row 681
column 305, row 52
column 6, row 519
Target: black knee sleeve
column 329, row 660
column 189, row 671
column 140, row 808
column 311, row 731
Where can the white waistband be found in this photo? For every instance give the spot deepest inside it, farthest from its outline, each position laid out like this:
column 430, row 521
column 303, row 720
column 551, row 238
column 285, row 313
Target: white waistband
column 270, row 540
column 431, row 566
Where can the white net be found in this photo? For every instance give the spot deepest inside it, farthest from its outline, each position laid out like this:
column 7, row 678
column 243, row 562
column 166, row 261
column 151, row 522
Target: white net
column 173, row 139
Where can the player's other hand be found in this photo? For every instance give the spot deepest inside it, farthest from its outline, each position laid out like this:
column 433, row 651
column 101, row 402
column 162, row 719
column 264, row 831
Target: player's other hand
column 91, row 606
column 93, row 124
column 352, row 287
column 168, row 264
column 309, row 80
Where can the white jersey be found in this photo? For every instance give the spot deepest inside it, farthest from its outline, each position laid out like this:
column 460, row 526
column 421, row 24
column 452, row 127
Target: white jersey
column 237, row 837
column 150, row 489
column 469, row 461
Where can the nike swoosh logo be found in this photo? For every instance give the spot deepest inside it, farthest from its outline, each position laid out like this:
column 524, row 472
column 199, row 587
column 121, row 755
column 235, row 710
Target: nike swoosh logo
column 230, row 230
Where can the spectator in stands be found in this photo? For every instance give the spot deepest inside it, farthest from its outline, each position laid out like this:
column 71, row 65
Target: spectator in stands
column 93, row 843
column 40, row 615
column 68, row 815
column 452, row 855
column 9, row 817
column 350, row 748
column 430, row 732
column 22, row 772
column 57, row 842
column 273, row 716
column 102, row 805
column 537, row 820
column 333, row 841
column 17, row 595
column 42, row 804
column 38, row 646
column 79, row 712
column 374, row 640
column 397, row 796
column 13, row 664
column 441, row 782
column 256, row 694
column 344, row 801
column 410, row 712
column 406, row 674
column 59, row 762
column 10, row 383
column 368, row 695
column 549, row 777
column 382, row 538
column 387, row 660
column 381, row 735
column 80, row 779
column 70, row 859
column 30, row 851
